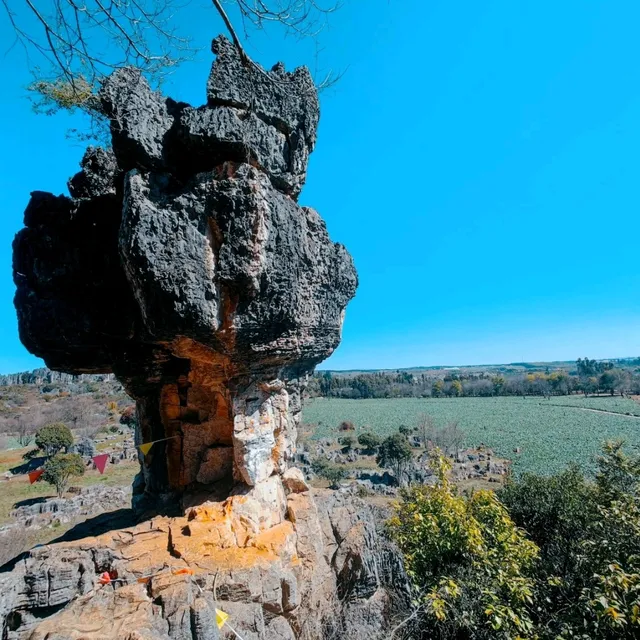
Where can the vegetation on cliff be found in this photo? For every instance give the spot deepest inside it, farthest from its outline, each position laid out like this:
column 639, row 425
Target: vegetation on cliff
column 546, row 558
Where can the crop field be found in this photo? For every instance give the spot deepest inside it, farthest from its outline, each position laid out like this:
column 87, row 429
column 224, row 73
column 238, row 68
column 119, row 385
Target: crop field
column 550, row 433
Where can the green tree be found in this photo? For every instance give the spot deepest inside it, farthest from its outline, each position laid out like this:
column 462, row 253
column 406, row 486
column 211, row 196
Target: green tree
column 53, row 438
column 588, row 576
column 60, row 468
column 369, row 441
column 437, row 388
column 456, row 388
column 331, row 472
column 395, row 453
column 498, row 384
column 469, row 563
column 347, row 441
column 405, row 430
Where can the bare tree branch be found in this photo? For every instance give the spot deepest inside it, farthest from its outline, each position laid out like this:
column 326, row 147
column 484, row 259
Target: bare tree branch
column 78, row 42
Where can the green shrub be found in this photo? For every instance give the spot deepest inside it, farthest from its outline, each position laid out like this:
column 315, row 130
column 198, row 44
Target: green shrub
column 395, row 453
column 469, row 563
column 369, row 441
column 331, row 472
column 347, row 442
column 59, row 469
column 53, row 438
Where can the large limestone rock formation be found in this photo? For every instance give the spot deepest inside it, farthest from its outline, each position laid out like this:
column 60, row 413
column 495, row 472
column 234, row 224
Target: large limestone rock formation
column 183, row 264
column 323, row 573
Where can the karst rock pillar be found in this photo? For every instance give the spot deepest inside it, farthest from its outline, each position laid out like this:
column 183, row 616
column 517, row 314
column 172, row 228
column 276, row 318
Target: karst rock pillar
column 183, row 264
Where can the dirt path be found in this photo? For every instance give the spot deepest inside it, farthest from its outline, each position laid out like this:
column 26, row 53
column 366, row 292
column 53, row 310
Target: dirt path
column 611, row 413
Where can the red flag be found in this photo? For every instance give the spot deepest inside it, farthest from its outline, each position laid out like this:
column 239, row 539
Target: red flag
column 100, row 461
column 34, row 475
column 105, row 578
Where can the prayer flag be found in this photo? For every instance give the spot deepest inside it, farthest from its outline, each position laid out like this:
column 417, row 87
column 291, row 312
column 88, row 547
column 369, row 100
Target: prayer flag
column 100, row 462
column 145, row 448
column 34, row 475
column 221, row 618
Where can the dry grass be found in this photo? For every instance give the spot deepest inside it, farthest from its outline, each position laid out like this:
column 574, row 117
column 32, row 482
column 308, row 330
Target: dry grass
column 18, row 489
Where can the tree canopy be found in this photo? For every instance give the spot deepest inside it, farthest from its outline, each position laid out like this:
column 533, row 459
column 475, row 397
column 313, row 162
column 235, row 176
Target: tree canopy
column 53, row 438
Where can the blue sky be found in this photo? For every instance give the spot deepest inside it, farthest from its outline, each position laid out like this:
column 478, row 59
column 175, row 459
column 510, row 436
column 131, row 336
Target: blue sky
column 480, row 160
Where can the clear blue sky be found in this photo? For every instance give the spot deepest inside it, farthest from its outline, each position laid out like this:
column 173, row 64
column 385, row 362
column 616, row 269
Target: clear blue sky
column 480, row 160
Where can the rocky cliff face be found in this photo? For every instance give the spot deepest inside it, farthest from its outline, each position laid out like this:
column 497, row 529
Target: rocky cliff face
column 183, row 264
column 322, row 573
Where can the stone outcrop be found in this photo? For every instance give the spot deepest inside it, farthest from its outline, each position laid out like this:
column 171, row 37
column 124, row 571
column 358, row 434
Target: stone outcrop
column 183, row 264
column 322, row 573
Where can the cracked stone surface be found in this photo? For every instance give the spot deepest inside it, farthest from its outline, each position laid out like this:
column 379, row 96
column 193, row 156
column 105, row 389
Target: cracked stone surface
column 325, row 572
column 183, row 264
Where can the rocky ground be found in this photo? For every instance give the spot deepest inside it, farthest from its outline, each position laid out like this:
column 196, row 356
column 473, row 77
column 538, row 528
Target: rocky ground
column 473, row 466
column 322, row 571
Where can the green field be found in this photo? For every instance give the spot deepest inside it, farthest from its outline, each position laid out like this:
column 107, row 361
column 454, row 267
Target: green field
column 550, row 433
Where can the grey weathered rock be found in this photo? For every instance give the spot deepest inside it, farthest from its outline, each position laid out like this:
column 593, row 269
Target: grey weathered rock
column 341, row 579
column 140, row 119
column 288, row 101
column 183, row 265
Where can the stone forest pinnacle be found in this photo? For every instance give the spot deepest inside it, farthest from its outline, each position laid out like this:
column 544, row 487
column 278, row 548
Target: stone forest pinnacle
column 183, row 264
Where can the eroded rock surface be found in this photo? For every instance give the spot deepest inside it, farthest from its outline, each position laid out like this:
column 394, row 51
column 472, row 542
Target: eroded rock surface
column 183, row 264
column 324, row 572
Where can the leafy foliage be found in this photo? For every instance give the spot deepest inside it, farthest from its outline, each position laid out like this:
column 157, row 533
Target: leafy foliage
column 395, row 453
column 331, row 472
column 54, row 437
column 59, row 469
column 369, row 440
column 468, row 561
column 574, row 574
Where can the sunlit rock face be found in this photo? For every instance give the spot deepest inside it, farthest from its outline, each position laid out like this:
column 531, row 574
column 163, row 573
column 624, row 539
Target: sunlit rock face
column 183, row 263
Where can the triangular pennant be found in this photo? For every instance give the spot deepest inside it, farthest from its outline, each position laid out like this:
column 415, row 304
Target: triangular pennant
column 221, row 618
column 145, row 448
column 100, row 461
column 34, row 475
column 104, row 578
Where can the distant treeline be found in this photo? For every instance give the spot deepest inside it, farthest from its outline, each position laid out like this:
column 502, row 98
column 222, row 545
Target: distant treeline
column 589, row 377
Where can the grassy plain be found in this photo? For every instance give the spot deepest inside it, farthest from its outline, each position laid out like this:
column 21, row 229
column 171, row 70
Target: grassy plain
column 550, row 433
column 16, row 490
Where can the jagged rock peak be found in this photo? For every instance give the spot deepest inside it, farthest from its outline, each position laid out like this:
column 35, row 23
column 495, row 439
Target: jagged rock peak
column 266, row 119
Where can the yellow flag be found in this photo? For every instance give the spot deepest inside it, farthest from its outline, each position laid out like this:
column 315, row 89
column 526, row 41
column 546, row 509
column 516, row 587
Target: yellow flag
column 145, row 448
column 221, row 618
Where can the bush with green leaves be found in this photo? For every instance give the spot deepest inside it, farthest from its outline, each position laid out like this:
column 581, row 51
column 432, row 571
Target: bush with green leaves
column 588, row 575
column 395, row 453
column 59, row 469
column 329, row 471
column 369, row 441
column 53, row 438
column 470, row 565
column 347, row 442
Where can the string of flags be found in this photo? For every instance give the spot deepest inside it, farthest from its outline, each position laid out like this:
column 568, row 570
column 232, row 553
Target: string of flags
column 100, row 462
column 222, row 618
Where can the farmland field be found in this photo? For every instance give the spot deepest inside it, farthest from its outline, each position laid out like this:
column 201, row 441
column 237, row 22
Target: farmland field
column 550, row 433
